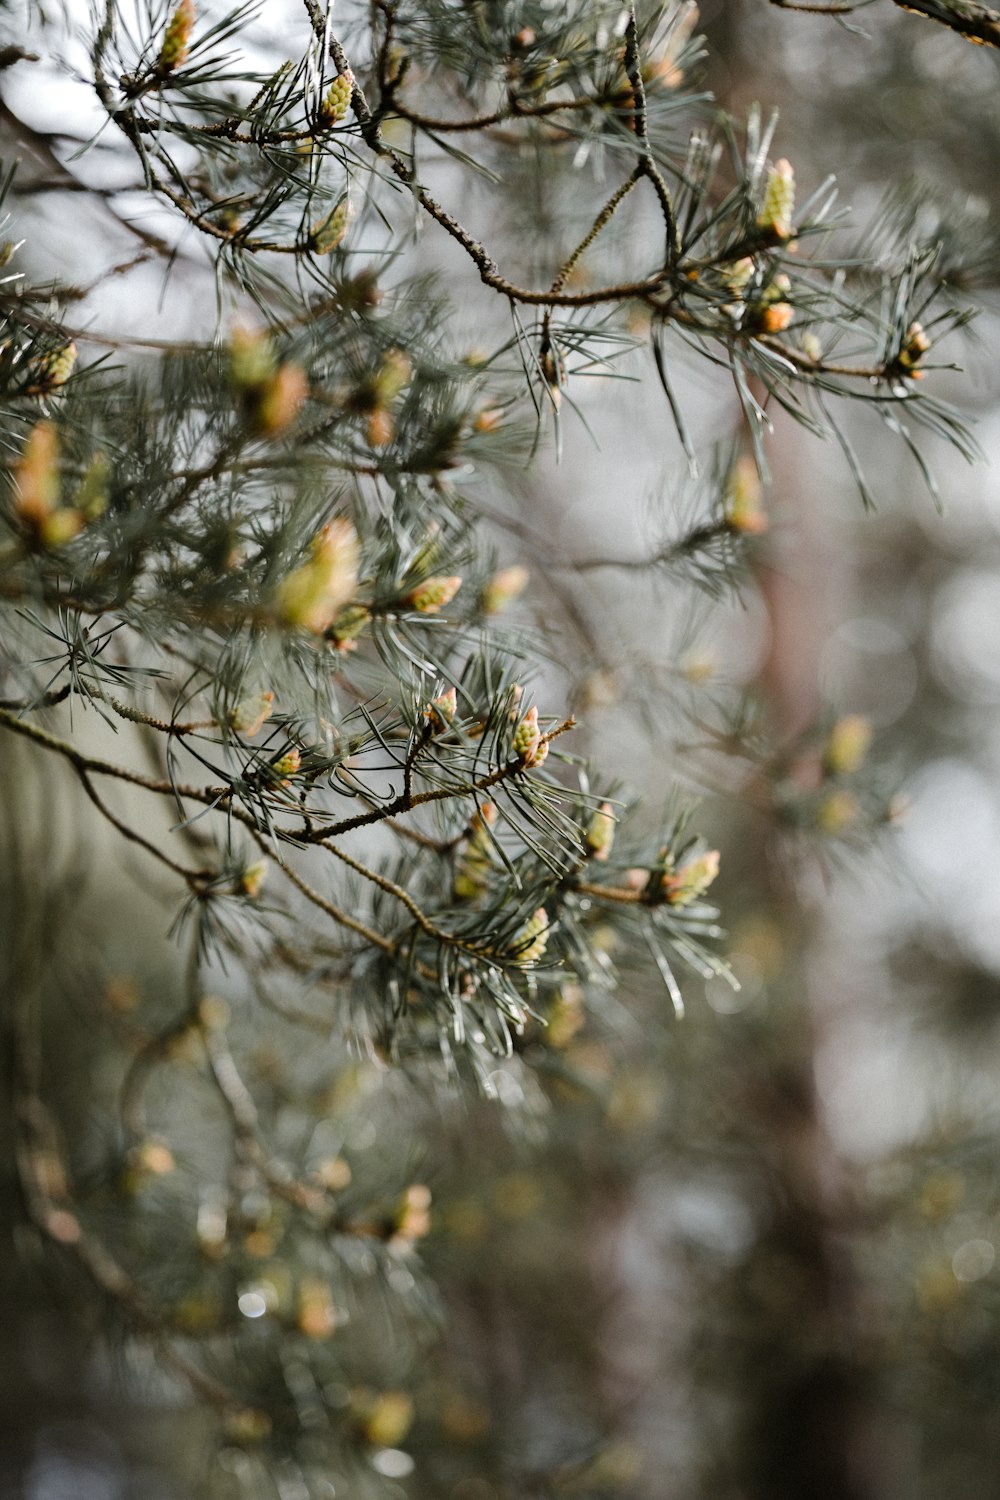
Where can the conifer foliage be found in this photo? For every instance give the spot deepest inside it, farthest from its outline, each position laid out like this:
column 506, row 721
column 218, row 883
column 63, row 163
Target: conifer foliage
column 252, row 605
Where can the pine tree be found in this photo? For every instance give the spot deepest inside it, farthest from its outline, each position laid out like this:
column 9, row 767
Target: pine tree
column 273, row 607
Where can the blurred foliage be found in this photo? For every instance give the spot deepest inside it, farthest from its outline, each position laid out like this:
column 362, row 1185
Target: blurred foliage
column 394, row 1152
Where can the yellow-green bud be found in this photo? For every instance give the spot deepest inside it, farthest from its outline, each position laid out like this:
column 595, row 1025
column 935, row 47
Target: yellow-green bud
column 739, row 274
column 915, row 346
column 837, row 811
column 336, row 101
column 441, row 711
column 177, row 38
column 313, row 595
column 779, row 201
column 847, row 745
column 472, row 870
column 92, row 496
column 348, row 625
column 393, row 376
column 531, row 941
column 742, row 500
column 811, row 346
column 251, row 714
column 529, row 746
column 433, row 594
column 278, row 401
column 271, row 394
column 252, row 360
column 286, row 765
column 49, row 371
column 503, row 588
column 600, row 834
column 413, row 1222
column 327, row 233
column 61, row 527
column 36, row 492
column 252, row 879
column 317, row 1313
column 152, row 1158
column 681, row 887
column 390, row 1415
column 36, row 477
column 565, row 1017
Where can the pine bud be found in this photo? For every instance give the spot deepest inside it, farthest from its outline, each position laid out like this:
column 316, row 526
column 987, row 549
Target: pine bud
column 847, row 745
column 485, row 818
column 271, row 394
column 413, row 1213
column 91, row 499
column 433, row 594
column 441, row 711
column 915, row 346
column 742, row 500
column 177, row 38
column 388, row 1419
column 336, row 101
column 503, row 588
column 279, row 401
column 49, row 371
column 429, row 551
column 553, row 375
column 327, row 233
column 565, row 1017
column 334, row 1173
column 473, row 868
column 313, row 594
column 152, row 1158
column 487, row 419
column 36, row 491
column 288, row 764
column 317, row 1316
column 380, row 429
column 252, row 360
column 776, row 317
column 61, row 527
column 692, row 880
column 739, row 274
column 600, row 835
column 531, row 941
column 529, row 746
column 811, row 347
column 251, row 714
column 779, row 201
column 665, row 69
column 527, row 733
column 348, row 625
column 393, row 376
column 36, row 477
column 837, row 811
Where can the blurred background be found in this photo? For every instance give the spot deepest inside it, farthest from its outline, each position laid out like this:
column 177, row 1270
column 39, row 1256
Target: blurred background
column 749, row 1254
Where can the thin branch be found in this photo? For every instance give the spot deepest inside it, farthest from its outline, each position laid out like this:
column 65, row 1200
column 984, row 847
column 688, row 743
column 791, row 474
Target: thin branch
column 978, row 23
